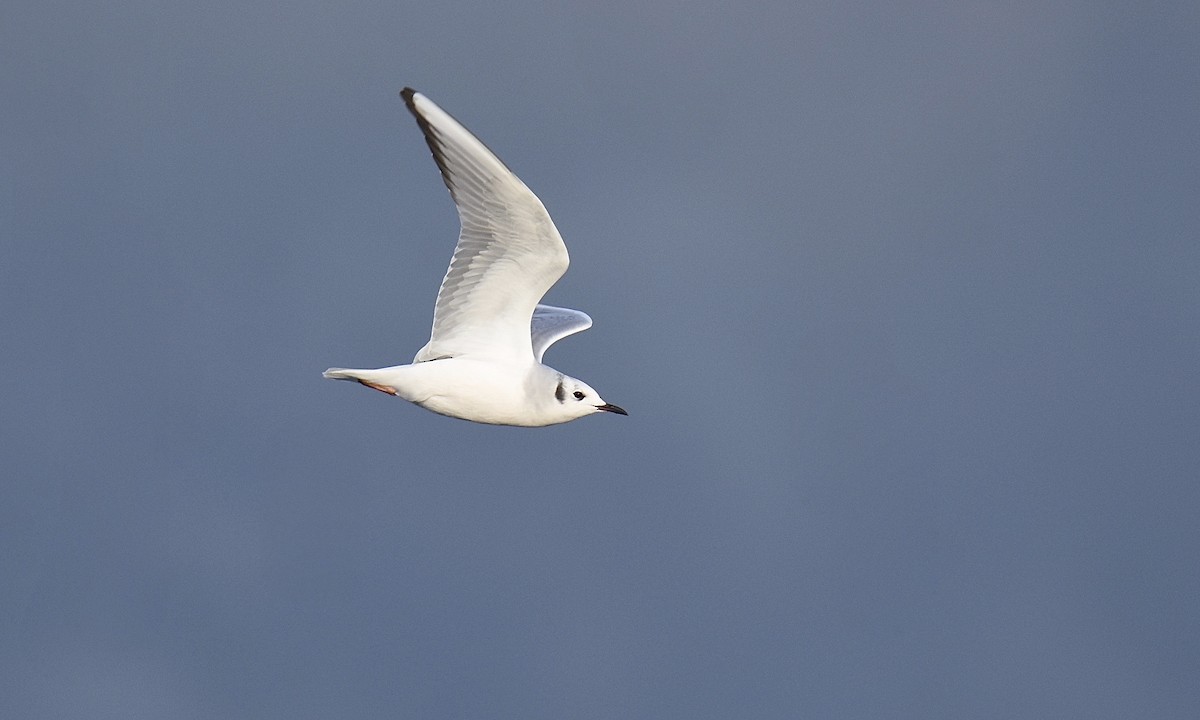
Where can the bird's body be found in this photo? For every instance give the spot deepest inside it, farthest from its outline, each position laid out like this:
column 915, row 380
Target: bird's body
column 483, row 359
column 484, row 391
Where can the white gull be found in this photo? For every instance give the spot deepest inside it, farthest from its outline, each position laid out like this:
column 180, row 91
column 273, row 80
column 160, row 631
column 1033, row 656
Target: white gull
column 483, row 361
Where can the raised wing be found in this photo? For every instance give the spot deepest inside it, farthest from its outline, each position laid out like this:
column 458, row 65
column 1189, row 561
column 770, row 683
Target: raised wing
column 509, row 253
column 551, row 324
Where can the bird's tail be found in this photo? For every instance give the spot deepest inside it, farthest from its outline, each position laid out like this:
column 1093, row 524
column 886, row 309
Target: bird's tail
column 371, row 378
column 340, row 374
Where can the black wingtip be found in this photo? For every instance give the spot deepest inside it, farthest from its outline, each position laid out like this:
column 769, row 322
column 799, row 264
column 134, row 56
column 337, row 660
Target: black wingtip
column 433, row 140
column 431, row 137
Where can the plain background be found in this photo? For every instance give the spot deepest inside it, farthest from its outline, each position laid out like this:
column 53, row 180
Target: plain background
column 902, row 298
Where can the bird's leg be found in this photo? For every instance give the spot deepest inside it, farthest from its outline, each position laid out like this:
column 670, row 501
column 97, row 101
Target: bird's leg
column 376, row 386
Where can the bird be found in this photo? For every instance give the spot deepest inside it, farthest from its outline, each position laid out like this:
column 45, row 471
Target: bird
column 483, row 361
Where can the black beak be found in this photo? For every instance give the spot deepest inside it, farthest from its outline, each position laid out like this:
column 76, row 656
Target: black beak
column 609, row 407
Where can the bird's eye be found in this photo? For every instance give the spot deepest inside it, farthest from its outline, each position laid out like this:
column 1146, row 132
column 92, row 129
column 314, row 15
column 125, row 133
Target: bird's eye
column 578, row 394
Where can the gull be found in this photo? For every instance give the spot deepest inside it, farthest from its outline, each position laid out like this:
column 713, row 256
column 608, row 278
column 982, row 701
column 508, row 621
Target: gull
column 483, row 361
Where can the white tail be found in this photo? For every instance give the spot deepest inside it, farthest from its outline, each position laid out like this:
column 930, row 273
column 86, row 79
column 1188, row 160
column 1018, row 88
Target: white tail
column 360, row 376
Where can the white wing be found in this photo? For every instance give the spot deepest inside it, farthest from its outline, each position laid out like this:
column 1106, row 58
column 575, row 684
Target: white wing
column 551, row 324
column 509, row 253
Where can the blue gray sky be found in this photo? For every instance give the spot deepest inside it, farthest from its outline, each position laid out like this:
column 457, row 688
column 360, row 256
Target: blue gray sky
column 902, row 299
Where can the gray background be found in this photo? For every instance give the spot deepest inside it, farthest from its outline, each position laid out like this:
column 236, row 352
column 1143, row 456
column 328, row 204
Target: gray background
column 903, row 301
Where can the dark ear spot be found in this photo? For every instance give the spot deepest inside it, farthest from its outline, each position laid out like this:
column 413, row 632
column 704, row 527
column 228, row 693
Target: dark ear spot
column 560, row 392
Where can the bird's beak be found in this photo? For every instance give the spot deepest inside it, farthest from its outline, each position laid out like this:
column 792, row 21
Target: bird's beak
column 609, row 407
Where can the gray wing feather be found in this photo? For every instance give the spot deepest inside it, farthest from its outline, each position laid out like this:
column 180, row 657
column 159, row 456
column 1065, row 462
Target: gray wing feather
column 508, row 255
column 551, row 324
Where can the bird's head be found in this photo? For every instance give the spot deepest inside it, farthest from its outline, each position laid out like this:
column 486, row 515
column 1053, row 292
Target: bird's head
column 574, row 399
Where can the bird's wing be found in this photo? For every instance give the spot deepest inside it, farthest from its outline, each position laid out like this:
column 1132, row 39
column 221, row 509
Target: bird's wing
column 509, row 253
column 551, row 324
